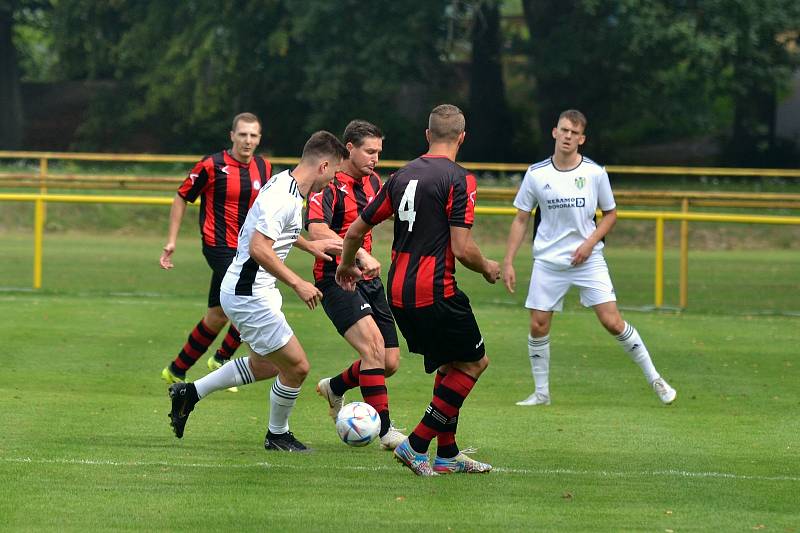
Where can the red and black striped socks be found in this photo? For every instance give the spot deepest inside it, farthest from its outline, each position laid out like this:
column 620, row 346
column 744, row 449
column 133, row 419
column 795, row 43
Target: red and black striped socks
column 441, row 416
column 196, row 345
column 349, row 379
column 372, row 382
column 229, row 344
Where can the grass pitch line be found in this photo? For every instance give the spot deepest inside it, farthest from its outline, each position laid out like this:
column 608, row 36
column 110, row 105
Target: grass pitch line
column 518, row 471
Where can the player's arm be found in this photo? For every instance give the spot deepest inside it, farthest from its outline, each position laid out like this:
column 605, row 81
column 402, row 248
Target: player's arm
column 515, row 237
column 603, row 227
column 348, row 273
column 262, row 252
column 368, row 264
column 320, row 248
column 176, row 213
column 469, row 255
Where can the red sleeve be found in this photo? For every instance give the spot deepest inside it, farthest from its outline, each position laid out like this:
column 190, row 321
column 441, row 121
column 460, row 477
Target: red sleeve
column 198, row 180
column 461, row 203
column 320, row 206
column 380, row 208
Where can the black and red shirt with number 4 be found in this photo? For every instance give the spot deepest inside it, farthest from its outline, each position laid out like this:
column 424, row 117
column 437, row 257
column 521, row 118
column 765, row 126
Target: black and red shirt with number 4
column 227, row 189
column 426, row 197
column 337, row 206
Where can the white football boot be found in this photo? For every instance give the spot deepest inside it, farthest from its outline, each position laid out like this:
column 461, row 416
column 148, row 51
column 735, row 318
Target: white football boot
column 664, row 392
column 537, row 398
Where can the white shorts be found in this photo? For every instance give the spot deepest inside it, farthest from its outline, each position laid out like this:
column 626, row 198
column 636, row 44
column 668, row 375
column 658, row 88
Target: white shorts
column 549, row 286
column 259, row 319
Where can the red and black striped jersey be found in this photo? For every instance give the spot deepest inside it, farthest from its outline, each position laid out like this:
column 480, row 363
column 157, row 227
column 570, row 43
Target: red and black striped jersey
column 227, row 189
column 338, row 205
column 427, row 197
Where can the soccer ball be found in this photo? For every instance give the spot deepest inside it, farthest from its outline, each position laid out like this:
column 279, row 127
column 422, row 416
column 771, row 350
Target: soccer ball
column 358, row 424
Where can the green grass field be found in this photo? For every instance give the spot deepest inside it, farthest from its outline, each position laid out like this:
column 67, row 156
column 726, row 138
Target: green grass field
column 85, row 442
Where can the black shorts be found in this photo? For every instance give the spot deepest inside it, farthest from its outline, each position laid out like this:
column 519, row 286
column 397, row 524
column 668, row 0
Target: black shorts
column 443, row 332
column 219, row 258
column 345, row 308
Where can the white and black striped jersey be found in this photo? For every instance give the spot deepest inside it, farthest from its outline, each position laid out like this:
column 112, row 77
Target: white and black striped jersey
column 278, row 214
column 568, row 201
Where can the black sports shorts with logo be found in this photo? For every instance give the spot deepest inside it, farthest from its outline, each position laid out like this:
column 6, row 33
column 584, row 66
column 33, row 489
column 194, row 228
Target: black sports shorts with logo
column 219, row 258
column 443, row 332
column 345, row 308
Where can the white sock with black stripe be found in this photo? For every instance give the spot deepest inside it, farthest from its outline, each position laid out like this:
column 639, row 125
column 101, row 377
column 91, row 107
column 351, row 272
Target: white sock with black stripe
column 539, row 354
column 281, row 401
column 633, row 344
column 237, row 372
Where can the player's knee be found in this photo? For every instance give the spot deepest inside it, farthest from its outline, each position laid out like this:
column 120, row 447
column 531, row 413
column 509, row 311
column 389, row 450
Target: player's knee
column 614, row 325
column 215, row 318
column 474, row 368
column 299, row 370
column 392, row 361
column 539, row 329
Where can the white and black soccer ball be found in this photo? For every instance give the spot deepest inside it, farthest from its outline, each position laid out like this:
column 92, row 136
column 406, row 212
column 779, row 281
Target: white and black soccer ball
column 358, row 424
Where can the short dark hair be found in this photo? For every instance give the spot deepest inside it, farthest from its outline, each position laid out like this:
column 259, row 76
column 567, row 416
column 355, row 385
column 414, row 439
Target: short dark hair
column 323, row 144
column 358, row 130
column 245, row 117
column 446, row 123
column 574, row 116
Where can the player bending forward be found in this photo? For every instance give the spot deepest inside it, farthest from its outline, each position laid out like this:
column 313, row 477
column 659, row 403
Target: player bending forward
column 433, row 201
column 253, row 303
column 362, row 316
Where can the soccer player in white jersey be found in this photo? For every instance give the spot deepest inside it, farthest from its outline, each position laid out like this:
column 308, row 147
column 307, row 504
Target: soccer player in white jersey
column 252, row 302
column 568, row 188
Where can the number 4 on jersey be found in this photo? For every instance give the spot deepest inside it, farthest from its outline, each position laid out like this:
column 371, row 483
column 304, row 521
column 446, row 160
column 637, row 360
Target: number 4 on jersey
column 406, row 211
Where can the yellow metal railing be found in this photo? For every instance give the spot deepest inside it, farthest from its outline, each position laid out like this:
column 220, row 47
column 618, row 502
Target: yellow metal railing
column 43, row 157
column 658, row 216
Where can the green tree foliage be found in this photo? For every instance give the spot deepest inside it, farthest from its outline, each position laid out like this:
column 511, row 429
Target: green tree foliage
column 17, row 36
column 184, row 69
column 638, row 68
column 759, row 50
column 651, row 70
column 378, row 60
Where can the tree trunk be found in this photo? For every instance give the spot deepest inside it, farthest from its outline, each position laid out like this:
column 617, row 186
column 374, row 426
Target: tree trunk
column 489, row 125
column 10, row 98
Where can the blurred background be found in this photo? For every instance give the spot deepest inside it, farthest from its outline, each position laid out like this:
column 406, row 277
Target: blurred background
column 671, row 89
column 663, row 82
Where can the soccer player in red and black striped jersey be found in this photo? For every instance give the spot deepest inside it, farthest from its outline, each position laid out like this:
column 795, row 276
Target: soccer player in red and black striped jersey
column 433, row 200
column 227, row 184
column 362, row 316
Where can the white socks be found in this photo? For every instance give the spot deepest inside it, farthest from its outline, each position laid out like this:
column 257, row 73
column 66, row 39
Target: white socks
column 281, row 401
column 281, row 397
column 236, row 372
column 632, row 343
column 539, row 353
